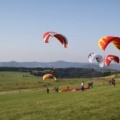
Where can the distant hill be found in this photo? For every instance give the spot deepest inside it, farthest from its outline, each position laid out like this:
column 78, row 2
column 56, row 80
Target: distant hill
column 56, row 64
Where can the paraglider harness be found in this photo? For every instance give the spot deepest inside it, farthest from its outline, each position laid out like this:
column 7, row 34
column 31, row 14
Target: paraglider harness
column 53, row 71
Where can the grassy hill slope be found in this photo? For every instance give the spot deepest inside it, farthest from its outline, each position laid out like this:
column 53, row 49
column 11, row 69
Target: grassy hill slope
column 24, row 97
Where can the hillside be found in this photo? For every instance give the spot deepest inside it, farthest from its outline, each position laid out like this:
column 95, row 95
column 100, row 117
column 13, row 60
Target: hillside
column 24, row 97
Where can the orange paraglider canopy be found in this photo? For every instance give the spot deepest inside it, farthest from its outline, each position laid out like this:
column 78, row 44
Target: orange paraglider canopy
column 49, row 76
column 104, row 41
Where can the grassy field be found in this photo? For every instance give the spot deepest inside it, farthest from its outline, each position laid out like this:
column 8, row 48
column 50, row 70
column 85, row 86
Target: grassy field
column 24, row 97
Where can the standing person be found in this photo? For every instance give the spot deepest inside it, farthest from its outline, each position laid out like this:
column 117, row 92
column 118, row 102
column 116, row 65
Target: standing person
column 110, row 82
column 57, row 89
column 82, row 86
column 91, row 84
column 47, row 90
column 67, row 88
column 54, row 89
column 113, row 82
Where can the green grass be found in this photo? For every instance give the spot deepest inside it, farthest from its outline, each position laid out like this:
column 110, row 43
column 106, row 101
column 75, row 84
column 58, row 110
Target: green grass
column 33, row 103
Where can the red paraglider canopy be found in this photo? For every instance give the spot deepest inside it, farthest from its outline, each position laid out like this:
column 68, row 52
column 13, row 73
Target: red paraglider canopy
column 109, row 58
column 104, row 41
column 62, row 39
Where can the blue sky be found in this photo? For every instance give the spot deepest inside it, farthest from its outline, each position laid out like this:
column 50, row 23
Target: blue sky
column 83, row 22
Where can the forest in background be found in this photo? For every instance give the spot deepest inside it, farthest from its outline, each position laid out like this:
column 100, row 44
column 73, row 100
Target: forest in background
column 64, row 72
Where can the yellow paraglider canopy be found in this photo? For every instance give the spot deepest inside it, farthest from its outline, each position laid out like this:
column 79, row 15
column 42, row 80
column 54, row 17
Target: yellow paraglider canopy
column 49, row 76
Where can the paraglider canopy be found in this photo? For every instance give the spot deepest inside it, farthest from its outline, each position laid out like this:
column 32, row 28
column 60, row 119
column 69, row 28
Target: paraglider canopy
column 61, row 38
column 46, row 76
column 104, row 41
column 97, row 57
column 110, row 58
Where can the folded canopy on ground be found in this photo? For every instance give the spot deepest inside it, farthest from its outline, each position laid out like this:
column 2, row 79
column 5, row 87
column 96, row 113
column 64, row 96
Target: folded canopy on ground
column 72, row 89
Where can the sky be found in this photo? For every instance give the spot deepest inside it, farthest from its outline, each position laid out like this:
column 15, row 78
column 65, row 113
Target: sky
column 83, row 22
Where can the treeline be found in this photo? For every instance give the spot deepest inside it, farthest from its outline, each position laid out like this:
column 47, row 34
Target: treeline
column 62, row 72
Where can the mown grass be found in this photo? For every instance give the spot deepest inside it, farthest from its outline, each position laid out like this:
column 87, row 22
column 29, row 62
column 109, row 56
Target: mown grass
column 33, row 103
